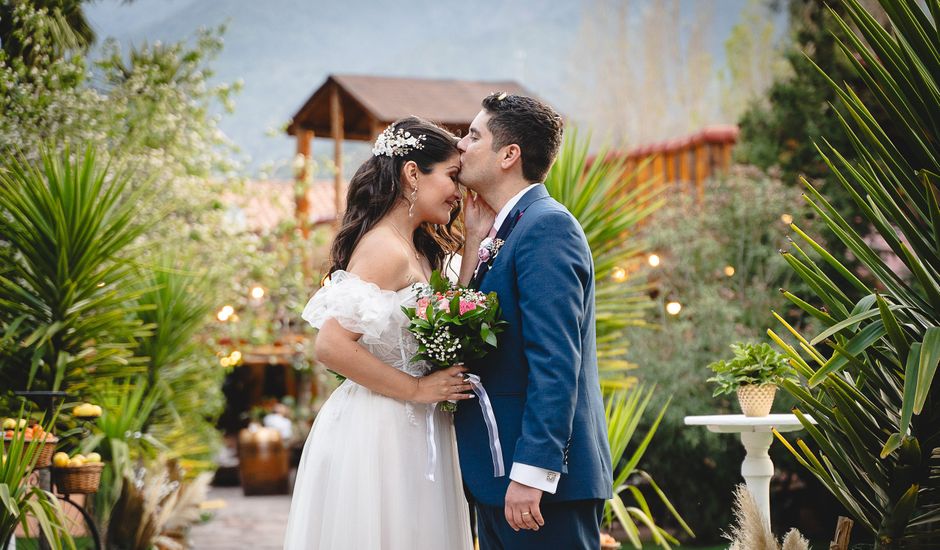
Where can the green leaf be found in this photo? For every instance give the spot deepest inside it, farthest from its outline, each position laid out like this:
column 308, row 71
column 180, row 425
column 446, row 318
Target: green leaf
column 860, row 342
column 893, row 328
column 620, row 511
column 927, row 367
column 909, row 401
column 8, row 500
column 850, row 323
column 894, row 441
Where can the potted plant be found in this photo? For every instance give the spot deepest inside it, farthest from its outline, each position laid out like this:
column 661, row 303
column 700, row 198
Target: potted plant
column 753, row 374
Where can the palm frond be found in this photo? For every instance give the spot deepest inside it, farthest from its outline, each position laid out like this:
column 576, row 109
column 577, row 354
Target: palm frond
column 69, row 223
column 871, row 373
column 610, row 204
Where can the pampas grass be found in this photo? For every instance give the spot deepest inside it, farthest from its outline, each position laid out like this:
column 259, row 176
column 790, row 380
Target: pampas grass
column 751, row 533
column 794, row 541
column 156, row 504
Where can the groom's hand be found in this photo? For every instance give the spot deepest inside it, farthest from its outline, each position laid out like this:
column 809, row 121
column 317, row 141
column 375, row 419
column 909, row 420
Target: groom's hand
column 522, row 507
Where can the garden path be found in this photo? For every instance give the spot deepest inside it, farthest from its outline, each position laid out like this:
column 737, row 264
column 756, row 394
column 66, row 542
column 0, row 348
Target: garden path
column 255, row 522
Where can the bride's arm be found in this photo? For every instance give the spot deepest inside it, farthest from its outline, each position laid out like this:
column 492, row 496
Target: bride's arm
column 338, row 349
column 379, row 261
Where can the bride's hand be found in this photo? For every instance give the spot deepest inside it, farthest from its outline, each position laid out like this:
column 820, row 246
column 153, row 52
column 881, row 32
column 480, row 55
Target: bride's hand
column 442, row 385
column 478, row 218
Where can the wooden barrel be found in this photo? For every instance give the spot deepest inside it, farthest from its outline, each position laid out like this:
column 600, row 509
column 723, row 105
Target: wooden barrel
column 262, row 461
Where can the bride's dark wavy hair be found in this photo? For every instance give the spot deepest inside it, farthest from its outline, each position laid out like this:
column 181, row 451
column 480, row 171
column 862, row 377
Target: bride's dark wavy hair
column 377, row 186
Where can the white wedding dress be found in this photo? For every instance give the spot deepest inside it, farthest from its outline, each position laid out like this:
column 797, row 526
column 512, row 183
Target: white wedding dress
column 363, row 480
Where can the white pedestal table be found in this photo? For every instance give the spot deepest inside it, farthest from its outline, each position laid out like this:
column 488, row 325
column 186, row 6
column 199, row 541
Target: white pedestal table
column 756, row 435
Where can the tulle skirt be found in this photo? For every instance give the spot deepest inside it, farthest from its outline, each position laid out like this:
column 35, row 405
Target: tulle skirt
column 362, row 481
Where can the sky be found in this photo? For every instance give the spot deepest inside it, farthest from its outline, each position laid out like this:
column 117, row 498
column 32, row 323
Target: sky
column 283, row 50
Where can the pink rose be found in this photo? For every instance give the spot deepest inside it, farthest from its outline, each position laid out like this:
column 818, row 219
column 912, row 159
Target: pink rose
column 443, row 305
column 467, row 306
column 486, row 250
column 421, row 308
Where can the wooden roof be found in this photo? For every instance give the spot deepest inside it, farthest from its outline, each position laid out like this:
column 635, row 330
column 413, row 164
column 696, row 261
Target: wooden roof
column 370, row 103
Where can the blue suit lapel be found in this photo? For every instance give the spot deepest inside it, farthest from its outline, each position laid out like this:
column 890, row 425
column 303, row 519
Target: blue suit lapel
column 536, row 193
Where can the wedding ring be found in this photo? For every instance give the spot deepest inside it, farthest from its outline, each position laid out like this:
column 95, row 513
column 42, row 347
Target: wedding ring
column 526, row 514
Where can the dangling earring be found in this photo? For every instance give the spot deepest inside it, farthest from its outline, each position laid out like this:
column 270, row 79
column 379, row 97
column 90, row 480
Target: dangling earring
column 414, row 199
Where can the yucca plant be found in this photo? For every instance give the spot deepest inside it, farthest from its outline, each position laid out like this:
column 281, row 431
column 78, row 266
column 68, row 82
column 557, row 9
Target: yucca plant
column 870, row 374
column 609, row 202
column 68, row 223
column 624, row 411
column 22, row 500
column 187, row 377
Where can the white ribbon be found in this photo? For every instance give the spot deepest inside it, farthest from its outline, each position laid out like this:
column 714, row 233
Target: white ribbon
column 496, row 451
column 499, row 470
column 432, row 446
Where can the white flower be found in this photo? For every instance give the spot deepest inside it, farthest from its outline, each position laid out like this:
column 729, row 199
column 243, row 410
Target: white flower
column 396, row 143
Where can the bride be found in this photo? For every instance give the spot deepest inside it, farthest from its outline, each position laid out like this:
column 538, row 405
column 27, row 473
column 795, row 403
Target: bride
column 379, row 469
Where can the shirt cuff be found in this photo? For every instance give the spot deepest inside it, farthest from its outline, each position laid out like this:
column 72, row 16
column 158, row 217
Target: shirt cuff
column 532, row 476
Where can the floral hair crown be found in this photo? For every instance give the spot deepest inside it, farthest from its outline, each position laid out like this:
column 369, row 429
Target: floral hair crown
column 393, row 143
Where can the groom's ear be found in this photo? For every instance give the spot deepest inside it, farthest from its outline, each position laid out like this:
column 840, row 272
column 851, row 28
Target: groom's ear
column 511, row 154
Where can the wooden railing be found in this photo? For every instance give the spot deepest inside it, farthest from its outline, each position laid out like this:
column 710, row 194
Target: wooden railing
column 687, row 161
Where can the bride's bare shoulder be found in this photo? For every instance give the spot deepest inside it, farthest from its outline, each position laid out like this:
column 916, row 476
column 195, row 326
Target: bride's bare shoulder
column 380, row 258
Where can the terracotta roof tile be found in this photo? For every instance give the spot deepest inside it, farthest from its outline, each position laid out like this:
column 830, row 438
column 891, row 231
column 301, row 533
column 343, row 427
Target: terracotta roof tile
column 382, row 100
column 264, row 204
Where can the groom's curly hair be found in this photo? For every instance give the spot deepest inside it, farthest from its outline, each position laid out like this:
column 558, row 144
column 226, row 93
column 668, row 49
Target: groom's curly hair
column 532, row 125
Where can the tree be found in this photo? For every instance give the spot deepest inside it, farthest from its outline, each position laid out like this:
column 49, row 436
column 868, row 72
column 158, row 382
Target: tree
column 635, row 82
column 64, row 19
column 753, row 59
column 643, row 71
column 780, row 132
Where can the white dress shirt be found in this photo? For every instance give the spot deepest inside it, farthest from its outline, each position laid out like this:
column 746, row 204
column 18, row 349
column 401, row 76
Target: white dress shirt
column 507, row 208
column 532, row 476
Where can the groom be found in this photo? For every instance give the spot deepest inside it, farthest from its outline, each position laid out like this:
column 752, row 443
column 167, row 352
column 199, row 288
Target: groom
column 542, row 379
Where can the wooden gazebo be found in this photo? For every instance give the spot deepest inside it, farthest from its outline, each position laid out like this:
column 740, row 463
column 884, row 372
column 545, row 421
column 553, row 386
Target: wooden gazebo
column 359, row 108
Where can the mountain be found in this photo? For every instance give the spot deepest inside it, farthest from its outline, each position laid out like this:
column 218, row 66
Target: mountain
column 283, row 49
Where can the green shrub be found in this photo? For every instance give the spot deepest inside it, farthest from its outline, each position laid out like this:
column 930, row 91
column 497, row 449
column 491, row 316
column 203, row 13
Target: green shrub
column 737, row 224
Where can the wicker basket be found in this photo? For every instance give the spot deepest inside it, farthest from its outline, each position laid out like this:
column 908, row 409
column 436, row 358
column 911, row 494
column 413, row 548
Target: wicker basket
column 756, row 400
column 78, row 480
column 46, row 452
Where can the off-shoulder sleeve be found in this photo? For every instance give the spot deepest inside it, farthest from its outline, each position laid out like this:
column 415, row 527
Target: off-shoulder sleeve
column 357, row 305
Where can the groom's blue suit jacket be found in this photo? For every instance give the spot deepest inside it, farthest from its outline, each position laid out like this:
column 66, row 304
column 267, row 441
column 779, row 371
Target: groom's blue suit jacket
column 542, row 379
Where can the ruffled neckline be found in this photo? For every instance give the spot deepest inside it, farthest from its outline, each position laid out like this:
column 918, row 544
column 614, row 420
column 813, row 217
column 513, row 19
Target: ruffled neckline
column 337, row 276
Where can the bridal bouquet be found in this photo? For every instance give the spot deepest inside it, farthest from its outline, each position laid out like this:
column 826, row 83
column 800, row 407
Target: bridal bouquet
column 452, row 324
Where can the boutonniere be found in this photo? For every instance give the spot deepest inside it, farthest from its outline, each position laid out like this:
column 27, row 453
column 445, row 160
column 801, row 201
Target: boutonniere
column 489, row 249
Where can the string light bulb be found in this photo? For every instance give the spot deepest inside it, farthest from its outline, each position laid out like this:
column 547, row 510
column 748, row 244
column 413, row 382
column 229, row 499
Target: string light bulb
column 673, row 308
column 257, row 292
column 653, row 260
column 225, row 313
